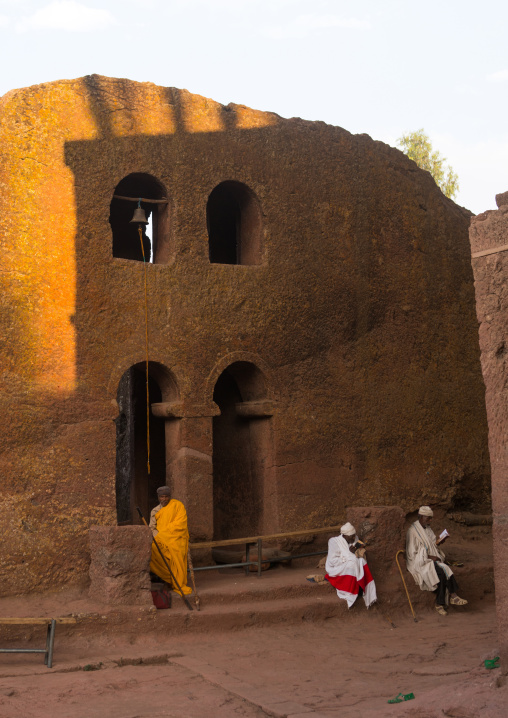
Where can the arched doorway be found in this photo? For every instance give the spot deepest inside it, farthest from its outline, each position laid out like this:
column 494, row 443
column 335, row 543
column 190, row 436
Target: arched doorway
column 134, row 485
column 241, row 452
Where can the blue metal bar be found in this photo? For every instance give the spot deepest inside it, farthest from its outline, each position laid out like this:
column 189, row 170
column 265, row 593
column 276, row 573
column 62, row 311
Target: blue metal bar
column 23, row 650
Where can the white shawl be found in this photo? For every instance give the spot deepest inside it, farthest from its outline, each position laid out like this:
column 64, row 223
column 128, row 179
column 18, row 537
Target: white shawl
column 420, row 544
column 341, row 561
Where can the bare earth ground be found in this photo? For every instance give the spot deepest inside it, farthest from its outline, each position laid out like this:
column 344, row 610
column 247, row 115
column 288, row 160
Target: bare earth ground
column 332, row 668
column 275, row 646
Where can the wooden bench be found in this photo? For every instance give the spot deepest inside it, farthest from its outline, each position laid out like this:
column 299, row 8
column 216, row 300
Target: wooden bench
column 253, row 540
column 50, row 637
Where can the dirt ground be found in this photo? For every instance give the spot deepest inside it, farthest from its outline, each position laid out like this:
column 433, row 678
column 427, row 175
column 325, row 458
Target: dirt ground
column 347, row 667
column 275, row 646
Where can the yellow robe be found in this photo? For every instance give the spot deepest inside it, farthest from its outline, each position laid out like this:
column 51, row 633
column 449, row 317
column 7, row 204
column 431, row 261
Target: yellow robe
column 173, row 540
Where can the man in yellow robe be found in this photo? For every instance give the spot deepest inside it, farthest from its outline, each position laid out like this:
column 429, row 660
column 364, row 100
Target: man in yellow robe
column 168, row 521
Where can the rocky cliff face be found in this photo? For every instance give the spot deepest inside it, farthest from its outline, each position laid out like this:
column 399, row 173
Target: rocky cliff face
column 489, row 245
column 344, row 324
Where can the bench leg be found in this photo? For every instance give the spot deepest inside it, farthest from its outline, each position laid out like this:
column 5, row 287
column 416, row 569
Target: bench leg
column 50, row 642
column 247, row 557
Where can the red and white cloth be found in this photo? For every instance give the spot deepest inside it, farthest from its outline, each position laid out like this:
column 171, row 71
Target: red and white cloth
column 347, row 573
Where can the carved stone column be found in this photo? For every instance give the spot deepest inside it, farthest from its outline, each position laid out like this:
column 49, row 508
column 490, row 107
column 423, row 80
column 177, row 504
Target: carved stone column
column 190, row 470
column 489, row 245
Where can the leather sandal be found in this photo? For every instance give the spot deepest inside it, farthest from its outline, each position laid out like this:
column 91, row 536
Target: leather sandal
column 441, row 610
column 457, row 601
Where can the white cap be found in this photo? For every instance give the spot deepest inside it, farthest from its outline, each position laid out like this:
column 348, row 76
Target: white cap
column 348, row 530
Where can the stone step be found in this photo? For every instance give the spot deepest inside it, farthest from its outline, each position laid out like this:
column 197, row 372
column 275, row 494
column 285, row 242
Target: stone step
column 230, row 586
column 232, row 601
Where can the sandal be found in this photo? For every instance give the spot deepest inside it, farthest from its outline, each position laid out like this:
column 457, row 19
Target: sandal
column 401, row 697
column 441, row 610
column 492, row 663
column 316, row 578
column 456, row 601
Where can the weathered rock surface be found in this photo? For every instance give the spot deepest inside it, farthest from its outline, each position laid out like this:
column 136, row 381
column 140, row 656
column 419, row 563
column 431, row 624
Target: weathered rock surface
column 352, row 328
column 383, row 528
column 120, row 558
column 489, row 231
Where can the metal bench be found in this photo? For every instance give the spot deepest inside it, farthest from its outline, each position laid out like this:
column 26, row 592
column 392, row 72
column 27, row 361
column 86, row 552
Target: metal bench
column 250, row 541
column 50, row 637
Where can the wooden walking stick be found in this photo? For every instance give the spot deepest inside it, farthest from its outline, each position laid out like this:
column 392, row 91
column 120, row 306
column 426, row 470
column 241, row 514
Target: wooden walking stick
column 191, row 570
column 185, row 600
column 403, row 581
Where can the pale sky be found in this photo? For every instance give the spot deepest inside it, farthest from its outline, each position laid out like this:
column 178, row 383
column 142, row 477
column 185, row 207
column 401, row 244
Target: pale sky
column 383, row 67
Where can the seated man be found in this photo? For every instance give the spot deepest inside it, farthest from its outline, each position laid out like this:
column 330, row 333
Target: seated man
column 347, row 570
column 425, row 561
column 168, row 522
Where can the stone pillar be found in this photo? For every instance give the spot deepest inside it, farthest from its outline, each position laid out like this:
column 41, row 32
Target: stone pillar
column 120, row 558
column 192, row 475
column 383, row 530
column 190, row 470
column 489, row 246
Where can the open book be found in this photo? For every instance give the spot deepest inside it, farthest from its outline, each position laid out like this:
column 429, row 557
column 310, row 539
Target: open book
column 442, row 536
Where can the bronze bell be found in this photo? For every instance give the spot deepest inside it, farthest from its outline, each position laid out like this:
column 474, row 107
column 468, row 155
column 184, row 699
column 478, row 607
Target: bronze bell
column 139, row 216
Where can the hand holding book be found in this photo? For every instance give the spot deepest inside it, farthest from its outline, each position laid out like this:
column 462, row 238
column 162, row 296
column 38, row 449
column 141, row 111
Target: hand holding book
column 442, row 537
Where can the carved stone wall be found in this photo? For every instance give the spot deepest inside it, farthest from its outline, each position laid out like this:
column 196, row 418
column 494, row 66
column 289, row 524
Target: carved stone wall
column 489, row 247
column 347, row 323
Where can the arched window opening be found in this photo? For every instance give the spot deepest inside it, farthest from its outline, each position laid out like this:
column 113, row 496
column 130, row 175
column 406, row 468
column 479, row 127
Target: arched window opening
column 134, row 485
column 234, row 224
column 241, row 452
column 126, row 244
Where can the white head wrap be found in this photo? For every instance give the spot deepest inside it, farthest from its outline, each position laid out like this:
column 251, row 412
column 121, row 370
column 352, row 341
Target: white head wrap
column 425, row 511
column 347, row 530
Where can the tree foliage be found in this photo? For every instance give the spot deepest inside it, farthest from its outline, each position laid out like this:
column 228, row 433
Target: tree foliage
column 417, row 146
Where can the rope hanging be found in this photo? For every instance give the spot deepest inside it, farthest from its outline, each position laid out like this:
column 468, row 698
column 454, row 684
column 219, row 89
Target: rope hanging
column 140, row 232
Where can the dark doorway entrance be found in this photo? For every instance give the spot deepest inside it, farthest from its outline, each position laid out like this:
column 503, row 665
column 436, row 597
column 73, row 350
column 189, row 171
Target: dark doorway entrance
column 134, row 485
column 241, row 451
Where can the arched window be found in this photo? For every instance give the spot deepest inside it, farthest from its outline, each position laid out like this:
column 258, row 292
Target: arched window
column 126, row 244
column 233, row 217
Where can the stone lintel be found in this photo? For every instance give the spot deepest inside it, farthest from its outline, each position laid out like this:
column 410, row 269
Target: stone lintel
column 178, row 410
column 260, row 408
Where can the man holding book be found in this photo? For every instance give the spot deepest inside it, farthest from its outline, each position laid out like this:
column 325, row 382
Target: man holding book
column 425, row 561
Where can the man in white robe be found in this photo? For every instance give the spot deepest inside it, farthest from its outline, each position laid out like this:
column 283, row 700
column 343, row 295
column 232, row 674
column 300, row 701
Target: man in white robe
column 425, row 561
column 348, row 572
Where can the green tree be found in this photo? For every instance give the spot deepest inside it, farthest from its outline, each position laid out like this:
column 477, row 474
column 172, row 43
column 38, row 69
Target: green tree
column 417, row 146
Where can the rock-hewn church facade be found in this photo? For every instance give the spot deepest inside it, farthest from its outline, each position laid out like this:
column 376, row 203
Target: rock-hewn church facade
column 312, row 339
